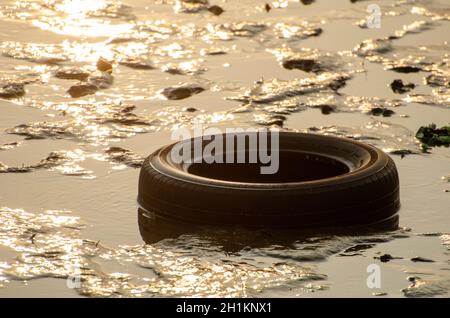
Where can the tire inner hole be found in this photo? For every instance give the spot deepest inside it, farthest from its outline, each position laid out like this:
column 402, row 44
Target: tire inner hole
column 293, row 166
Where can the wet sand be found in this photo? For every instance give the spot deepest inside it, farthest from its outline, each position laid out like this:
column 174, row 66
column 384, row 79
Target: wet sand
column 69, row 166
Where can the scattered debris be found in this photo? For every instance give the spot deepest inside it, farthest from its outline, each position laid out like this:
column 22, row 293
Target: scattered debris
column 399, row 87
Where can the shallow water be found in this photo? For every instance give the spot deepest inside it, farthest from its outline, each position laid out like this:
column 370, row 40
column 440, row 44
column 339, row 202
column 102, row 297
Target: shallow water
column 68, row 166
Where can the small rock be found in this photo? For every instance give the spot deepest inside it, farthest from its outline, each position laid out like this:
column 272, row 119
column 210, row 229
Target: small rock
column 326, row 109
column 190, row 109
column 72, row 74
column 421, row 259
column 306, row 65
column 104, row 65
column 12, row 90
column 399, row 87
column 267, row 7
column 82, row 89
column 406, row 69
column 379, row 294
column 216, row 10
column 181, row 92
column 378, row 111
column 139, row 65
column 124, row 156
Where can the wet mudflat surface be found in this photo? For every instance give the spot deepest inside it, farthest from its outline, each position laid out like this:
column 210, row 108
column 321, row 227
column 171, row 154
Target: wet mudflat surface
column 88, row 90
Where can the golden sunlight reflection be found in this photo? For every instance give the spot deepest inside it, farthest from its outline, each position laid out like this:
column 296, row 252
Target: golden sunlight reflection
column 79, row 18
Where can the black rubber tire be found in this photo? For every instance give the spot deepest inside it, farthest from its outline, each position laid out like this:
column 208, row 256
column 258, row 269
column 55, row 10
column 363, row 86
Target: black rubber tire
column 367, row 195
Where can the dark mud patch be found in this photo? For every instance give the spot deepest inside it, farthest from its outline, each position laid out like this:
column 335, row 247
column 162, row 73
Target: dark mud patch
column 137, row 64
column 314, row 61
column 272, row 91
column 124, row 156
column 82, row 89
column 94, row 83
column 55, row 158
column 10, row 145
column 43, row 130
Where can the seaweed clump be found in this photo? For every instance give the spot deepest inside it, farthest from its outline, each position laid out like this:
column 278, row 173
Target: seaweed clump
column 431, row 136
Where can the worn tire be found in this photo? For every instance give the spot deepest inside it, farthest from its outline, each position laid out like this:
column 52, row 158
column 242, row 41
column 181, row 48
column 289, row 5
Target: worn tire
column 366, row 195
